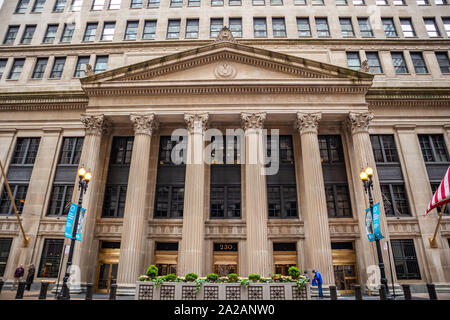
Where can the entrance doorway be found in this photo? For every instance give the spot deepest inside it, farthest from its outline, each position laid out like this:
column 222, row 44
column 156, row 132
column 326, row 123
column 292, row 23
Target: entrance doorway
column 225, row 258
column 284, row 257
column 344, row 264
column 108, row 263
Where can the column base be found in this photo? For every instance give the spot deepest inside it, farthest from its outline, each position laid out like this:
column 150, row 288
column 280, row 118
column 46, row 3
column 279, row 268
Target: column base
column 325, row 290
column 126, row 289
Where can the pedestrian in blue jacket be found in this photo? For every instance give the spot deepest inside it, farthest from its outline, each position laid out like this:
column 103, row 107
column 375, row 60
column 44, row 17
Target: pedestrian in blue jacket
column 317, row 281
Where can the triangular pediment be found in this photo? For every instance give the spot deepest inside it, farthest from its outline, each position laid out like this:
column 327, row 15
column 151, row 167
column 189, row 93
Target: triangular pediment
column 225, row 61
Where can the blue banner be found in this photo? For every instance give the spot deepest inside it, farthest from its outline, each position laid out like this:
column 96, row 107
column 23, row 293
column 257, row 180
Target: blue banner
column 370, row 234
column 70, row 221
column 376, row 221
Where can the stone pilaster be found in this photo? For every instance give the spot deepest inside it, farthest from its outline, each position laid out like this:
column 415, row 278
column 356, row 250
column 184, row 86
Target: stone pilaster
column 134, row 230
column 362, row 156
column 317, row 233
column 92, row 156
column 258, row 253
column 193, row 238
column 417, row 178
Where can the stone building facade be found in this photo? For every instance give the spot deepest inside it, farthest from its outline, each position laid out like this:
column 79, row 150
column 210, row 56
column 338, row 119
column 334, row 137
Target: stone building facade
column 104, row 84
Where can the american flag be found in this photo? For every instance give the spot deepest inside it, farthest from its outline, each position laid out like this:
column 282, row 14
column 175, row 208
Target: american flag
column 442, row 194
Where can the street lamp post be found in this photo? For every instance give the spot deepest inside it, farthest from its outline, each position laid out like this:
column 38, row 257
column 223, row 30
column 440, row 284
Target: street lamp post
column 367, row 179
column 83, row 181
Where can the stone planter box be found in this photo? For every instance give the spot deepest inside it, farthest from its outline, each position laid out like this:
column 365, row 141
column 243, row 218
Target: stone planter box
column 145, row 290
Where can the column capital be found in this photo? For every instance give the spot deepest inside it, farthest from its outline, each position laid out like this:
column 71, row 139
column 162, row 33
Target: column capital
column 308, row 122
column 359, row 122
column 144, row 123
column 95, row 124
column 196, row 122
column 253, row 120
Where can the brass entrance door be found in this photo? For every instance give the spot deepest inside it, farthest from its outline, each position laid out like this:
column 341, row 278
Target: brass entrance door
column 108, row 263
column 345, row 273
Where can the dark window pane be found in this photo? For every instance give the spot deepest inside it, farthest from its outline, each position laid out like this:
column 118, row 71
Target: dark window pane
column 405, row 259
column 51, row 258
column 5, row 247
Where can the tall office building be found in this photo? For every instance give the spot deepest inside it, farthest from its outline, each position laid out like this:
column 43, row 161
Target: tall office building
column 105, row 83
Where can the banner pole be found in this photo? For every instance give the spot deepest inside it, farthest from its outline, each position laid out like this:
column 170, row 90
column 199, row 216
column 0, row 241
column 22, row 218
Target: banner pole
column 433, row 243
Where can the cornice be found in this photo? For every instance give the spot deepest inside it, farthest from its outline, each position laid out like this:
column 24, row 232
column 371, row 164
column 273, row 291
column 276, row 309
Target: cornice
column 27, row 101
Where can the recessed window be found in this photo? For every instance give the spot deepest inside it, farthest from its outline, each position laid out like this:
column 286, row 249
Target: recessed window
column 407, row 27
column 422, row 2
column 395, row 199
column 131, row 30
column 419, row 62
column 90, row 32
column 446, row 22
column 374, row 62
column 389, row 27
column 16, row 69
column 236, row 27
column 60, row 5
column 114, row 201
column 149, row 29
column 169, row 201
column 353, row 60
column 225, row 201
column 71, row 150
column 191, row 29
column 215, row 26
column 108, row 31
column 2, row 67
column 303, row 27
column 299, row 2
column 382, row 2
column 399, row 62
column 282, row 201
column 234, row 2
column 38, row 6
column 60, row 197
column 76, row 5
column 279, row 27
column 440, row 2
column 358, row 2
column 153, row 3
column 431, row 27
column 22, row 6
column 25, row 151
column 114, row 4
column 193, row 3
column 399, row 2
column 384, row 148
column 443, row 61
column 98, row 5
column 173, row 29
column 58, row 68
column 365, row 30
column 68, row 32
column 19, row 193
column 317, row 2
column 28, row 34
column 259, row 27
column 405, row 259
column 101, row 63
column 216, row 2
column 176, row 3
column 81, row 67
column 433, row 148
column 136, row 4
column 51, row 258
column 50, row 34
column 121, row 150
column 338, row 201
column 258, row 2
column 39, row 68
column 346, row 27
column 322, row 27
column 341, row 2
column 5, row 247
column 276, row 2
column 11, row 35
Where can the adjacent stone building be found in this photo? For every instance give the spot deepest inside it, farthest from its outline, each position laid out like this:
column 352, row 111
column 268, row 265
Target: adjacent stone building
column 104, row 83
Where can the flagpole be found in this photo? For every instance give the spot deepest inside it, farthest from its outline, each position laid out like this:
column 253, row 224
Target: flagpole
column 433, row 243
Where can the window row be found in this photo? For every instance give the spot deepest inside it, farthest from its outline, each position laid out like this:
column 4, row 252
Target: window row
column 98, row 5
column 398, row 59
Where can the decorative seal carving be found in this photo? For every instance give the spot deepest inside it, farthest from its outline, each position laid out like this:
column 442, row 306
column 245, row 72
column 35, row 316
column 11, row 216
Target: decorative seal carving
column 196, row 122
column 88, row 70
column 253, row 120
column 225, row 35
column 225, row 70
column 308, row 122
column 359, row 122
column 365, row 66
column 144, row 123
column 95, row 124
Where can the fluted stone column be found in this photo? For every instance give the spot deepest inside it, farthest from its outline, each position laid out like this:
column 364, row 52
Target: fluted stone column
column 134, row 230
column 358, row 126
column 85, row 252
column 317, row 233
column 193, row 238
column 417, row 178
column 256, row 196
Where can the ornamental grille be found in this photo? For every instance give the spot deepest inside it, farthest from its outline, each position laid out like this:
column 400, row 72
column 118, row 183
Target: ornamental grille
column 145, row 292
column 233, row 293
column 188, row 293
column 211, row 293
column 299, row 294
column 255, row 293
column 167, row 293
column 277, row 293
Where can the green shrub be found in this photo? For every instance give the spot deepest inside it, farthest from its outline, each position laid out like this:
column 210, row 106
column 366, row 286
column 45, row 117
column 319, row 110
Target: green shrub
column 254, row 277
column 171, row 277
column 212, row 277
column 294, row 272
column 233, row 277
column 152, row 271
column 191, row 277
